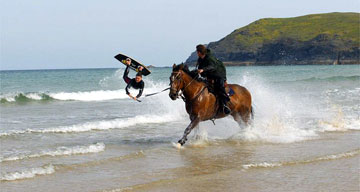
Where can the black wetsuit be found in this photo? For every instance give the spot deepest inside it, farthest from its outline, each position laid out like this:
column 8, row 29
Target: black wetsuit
column 132, row 83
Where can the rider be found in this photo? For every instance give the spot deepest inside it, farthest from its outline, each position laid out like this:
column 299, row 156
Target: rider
column 136, row 83
column 213, row 69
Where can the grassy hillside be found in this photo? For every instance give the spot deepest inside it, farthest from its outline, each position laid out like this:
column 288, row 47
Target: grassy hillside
column 317, row 36
column 344, row 26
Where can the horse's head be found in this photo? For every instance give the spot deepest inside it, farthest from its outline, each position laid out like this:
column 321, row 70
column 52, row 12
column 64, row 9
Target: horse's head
column 176, row 81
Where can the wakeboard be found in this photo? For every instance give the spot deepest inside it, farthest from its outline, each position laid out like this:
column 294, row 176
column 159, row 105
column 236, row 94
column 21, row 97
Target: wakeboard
column 134, row 64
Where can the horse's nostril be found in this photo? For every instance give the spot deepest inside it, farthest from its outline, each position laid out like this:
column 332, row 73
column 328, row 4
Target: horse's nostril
column 172, row 96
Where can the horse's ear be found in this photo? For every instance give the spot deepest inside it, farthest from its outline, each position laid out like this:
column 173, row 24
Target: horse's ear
column 174, row 66
column 181, row 66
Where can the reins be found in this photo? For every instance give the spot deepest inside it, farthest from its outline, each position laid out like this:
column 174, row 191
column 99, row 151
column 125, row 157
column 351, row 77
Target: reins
column 183, row 89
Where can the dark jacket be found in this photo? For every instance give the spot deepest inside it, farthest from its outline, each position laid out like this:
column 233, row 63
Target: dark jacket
column 135, row 85
column 213, row 68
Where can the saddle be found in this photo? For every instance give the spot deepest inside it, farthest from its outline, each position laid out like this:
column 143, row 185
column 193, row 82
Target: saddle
column 210, row 86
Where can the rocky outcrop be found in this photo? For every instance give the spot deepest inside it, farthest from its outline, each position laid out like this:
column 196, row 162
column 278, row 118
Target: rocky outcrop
column 332, row 38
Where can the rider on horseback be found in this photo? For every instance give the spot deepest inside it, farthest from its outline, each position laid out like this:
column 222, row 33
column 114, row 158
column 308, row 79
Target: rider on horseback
column 214, row 70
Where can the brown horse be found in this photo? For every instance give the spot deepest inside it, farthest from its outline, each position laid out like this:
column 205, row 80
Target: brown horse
column 201, row 105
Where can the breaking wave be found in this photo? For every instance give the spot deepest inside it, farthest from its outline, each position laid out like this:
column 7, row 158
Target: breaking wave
column 24, row 97
column 49, row 169
column 100, row 95
column 95, row 148
column 101, row 125
column 28, row 173
column 64, row 96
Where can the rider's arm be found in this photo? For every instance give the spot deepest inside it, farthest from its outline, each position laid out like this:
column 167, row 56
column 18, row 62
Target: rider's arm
column 126, row 72
column 125, row 76
column 210, row 67
column 140, row 90
column 127, row 88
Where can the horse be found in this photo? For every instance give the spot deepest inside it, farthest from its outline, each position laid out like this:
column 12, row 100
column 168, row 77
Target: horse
column 202, row 105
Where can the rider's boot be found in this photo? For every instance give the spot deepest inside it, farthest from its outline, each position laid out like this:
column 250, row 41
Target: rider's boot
column 226, row 109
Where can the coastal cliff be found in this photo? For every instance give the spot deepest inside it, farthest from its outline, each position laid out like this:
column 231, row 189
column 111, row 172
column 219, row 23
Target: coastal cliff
column 331, row 38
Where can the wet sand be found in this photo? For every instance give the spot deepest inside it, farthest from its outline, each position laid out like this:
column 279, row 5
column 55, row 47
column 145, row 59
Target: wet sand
column 317, row 165
column 328, row 163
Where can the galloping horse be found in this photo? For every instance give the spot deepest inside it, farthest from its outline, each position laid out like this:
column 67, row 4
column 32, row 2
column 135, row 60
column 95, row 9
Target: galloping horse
column 201, row 105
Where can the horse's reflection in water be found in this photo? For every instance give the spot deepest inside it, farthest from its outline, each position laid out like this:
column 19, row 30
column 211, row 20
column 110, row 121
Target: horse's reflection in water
column 201, row 105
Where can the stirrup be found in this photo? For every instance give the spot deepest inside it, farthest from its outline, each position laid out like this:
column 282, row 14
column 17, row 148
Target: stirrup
column 226, row 110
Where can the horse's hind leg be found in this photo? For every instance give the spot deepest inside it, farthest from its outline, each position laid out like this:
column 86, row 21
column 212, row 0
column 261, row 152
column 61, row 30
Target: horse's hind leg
column 237, row 117
column 245, row 116
column 194, row 123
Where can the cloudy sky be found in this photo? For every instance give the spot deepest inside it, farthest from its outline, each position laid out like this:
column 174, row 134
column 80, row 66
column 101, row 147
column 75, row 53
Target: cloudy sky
column 47, row 34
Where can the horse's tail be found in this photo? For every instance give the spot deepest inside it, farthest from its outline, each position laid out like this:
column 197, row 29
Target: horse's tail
column 252, row 112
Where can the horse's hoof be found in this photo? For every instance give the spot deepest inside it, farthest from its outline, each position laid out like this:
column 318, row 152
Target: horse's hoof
column 181, row 142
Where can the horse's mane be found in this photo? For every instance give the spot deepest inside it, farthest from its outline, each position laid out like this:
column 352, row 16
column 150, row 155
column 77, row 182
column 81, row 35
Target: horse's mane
column 185, row 68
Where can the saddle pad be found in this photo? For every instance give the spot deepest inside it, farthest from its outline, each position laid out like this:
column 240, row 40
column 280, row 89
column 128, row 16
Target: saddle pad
column 230, row 91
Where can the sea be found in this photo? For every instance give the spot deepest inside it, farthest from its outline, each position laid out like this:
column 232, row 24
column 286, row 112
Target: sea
column 77, row 130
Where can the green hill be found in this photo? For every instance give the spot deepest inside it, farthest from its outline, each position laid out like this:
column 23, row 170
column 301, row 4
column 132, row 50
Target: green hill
column 312, row 39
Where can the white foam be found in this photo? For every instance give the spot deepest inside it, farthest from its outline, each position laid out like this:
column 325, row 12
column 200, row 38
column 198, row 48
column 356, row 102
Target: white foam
column 99, row 95
column 276, row 115
column 263, row 164
column 166, row 111
column 34, row 96
column 109, row 124
column 29, row 173
column 177, row 145
column 8, row 98
column 90, row 96
column 11, row 97
column 102, row 95
column 324, row 158
column 338, row 156
column 95, row 148
column 11, row 133
column 339, row 122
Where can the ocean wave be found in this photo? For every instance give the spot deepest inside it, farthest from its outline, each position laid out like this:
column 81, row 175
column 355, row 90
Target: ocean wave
column 130, row 156
column 24, row 97
column 49, row 169
column 101, row 125
column 90, row 96
column 63, row 96
column 100, row 95
column 28, row 173
column 323, row 158
column 11, row 133
column 60, row 151
column 333, row 78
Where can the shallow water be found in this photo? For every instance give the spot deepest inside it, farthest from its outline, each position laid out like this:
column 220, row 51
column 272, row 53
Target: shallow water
column 76, row 130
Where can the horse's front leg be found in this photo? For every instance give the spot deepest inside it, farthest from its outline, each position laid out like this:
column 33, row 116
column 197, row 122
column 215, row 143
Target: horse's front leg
column 194, row 123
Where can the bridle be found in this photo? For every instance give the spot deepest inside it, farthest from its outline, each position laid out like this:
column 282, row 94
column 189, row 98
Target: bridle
column 177, row 91
column 172, row 80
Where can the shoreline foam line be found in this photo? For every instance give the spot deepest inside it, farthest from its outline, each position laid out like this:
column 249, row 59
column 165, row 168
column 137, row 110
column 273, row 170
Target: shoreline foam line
column 28, row 173
column 101, row 125
column 60, row 151
column 323, row 158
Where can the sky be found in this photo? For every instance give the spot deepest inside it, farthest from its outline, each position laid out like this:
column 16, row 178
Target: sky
column 48, row 34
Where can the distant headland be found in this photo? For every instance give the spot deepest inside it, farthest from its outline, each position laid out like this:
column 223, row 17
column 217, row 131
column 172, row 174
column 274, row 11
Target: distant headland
column 331, row 38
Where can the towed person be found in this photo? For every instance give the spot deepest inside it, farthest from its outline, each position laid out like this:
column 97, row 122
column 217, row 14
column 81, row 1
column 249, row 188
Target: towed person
column 136, row 83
